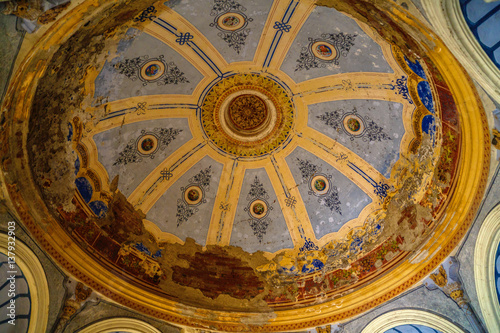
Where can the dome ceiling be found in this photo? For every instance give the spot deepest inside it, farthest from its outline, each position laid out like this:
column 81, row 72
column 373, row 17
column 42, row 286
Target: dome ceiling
column 228, row 163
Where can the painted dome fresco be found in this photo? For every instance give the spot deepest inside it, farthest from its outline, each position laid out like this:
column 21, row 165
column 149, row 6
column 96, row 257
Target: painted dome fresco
column 242, row 165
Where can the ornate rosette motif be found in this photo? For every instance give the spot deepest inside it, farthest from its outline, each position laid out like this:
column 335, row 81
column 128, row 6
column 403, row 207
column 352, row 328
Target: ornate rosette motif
column 261, row 133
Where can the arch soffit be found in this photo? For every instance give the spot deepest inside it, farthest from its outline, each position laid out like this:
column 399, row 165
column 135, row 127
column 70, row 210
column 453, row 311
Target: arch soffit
column 34, row 273
column 486, row 247
column 396, row 318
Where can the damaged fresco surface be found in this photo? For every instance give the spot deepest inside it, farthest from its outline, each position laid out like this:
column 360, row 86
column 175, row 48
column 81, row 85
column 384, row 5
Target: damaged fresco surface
column 235, row 161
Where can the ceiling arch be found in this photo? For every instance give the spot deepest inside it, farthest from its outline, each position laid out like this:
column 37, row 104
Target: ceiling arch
column 256, row 191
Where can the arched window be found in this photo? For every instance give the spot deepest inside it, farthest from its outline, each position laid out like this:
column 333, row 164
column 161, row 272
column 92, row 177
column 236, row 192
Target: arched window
column 120, row 325
column 407, row 319
column 448, row 20
column 487, row 269
column 31, row 286
column 412, row 328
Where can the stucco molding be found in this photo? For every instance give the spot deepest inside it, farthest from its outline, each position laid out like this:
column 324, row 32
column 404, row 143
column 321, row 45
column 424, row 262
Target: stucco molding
column 447, row 18
column 410, row 316
column 129, row 325
column 486, row 247
column 33, row 271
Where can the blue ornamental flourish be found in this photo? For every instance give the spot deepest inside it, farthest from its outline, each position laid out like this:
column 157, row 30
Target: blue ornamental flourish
column 184, row 38
column 308, row 246
column 147, row 14
column 401, row 88
column 280, row 26
column 381, row 190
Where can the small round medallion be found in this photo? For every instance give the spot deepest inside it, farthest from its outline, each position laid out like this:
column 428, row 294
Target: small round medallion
column 247, row 112
column 258, row 209
column 324, row 51
column 320, row 185
column 193, row 195
column 152, row 70
column 353, row 124
column 147, row 144
column 231, row 21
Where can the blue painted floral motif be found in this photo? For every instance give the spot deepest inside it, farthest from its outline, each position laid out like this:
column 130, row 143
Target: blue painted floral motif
column 401, row 88
column 147, row 14
column 381, row 190
column 308, row 246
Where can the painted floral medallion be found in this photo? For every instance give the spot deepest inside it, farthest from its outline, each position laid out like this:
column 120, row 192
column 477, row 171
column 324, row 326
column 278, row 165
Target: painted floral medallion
column 241, row 115
column 247, row 112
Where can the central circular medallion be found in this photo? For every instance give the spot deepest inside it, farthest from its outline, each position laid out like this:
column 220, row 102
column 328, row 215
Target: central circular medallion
column 247, row 115
column 247, row 112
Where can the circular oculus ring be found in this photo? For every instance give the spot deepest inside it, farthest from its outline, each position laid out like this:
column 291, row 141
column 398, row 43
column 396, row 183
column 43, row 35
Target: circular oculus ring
column 266, row 126
column 231, row 21
column 353, row 124
column 147, row 144
column 152, row 70
column 324, row 51
column 258, row 209
column 320, row 185
column 193, row 195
